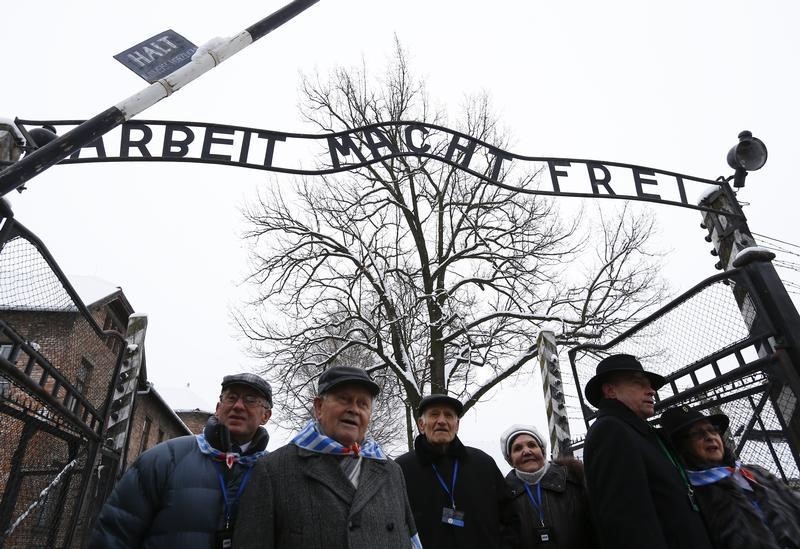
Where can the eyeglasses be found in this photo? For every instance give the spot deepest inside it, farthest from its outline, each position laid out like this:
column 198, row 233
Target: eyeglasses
column 251, row 401
column 700, row 434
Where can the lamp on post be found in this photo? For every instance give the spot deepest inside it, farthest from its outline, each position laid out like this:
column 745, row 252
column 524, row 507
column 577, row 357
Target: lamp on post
column 748, row 155
column 733, row 242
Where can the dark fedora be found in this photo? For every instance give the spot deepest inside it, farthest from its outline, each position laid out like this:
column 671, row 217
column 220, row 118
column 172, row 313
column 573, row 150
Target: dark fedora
column 677, row 420
column 251, row 380
column 338, row 375
column 440, row 399
column 613, row 364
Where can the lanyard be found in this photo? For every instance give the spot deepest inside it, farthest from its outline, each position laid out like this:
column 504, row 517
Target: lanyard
column 536, row 501
column 689, row 489
column 230, row 505
column 450, row 491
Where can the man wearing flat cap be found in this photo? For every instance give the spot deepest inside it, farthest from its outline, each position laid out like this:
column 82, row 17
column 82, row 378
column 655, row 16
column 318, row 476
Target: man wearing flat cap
column 184, row 492
column 458, row 494
column 638, row 493
column 331, row 486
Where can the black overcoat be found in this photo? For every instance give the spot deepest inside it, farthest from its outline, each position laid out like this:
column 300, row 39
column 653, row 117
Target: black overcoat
column 636, row 492
column 480, row 492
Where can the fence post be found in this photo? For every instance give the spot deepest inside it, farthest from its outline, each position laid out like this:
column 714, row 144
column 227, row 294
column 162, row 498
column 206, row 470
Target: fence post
column 731, row 236
column 118, row 416
column 553, row 388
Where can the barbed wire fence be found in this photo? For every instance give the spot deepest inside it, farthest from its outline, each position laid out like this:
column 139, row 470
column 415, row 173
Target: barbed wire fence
column 716, row 345
column 56, row 367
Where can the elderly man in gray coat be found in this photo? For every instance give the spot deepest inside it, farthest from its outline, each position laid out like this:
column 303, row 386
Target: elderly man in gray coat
column 330, row 487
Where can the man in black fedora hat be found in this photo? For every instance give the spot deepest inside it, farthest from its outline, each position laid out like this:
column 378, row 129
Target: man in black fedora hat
column 457, row 493
column 638, row 493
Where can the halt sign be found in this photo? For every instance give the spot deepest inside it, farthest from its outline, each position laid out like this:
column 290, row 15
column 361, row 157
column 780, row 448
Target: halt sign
column 158, row 56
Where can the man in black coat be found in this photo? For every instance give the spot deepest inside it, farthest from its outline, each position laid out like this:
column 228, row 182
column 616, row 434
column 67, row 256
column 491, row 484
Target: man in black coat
column 457, row 493
column 638, row 494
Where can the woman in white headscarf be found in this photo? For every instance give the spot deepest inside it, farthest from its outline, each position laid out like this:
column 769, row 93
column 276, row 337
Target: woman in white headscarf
column 548, row 498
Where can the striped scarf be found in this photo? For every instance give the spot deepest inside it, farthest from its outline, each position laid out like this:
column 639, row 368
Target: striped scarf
column 704, row 477
column 312, row 439
column 228, row 458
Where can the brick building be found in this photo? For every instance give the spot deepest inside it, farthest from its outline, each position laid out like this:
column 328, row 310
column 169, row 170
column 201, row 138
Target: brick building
column 57, row 377
column 153, row 421
column 195, row 419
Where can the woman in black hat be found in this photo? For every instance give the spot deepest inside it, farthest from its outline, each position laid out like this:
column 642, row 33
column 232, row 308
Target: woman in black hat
column 745, row 507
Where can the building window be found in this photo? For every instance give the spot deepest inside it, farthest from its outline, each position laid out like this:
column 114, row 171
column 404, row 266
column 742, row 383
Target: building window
column 8, row 351
column 113, row 323
column 5, row 388
column 84, row 374
column 145, row 434
column 81, row 382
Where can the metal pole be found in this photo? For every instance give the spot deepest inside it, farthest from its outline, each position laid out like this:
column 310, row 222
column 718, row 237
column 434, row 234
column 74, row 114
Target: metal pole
column 58, row 149
column 730, row 236
column 557, row 420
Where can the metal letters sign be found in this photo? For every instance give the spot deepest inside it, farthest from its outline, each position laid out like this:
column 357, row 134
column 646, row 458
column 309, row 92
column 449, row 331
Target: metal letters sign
column 158, row 56
column 166, row 141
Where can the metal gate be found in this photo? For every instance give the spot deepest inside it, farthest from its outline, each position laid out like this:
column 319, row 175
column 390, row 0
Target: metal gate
column 724, row 346
column 57, row 367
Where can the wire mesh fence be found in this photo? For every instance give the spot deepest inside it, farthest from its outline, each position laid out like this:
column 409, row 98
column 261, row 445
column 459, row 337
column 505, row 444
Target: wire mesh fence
column 715, row 345
column 56, row 367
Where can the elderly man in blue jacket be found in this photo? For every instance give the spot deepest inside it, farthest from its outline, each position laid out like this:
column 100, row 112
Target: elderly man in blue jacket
column 184, row 492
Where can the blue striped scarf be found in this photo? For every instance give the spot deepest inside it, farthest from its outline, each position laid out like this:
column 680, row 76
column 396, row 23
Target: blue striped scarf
column 228, row 458
column 715, row 474
column 311, row 438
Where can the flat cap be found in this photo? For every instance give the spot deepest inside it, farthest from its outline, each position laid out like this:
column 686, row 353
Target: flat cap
column 338, row 375
column 251, row 380
column 440, row 399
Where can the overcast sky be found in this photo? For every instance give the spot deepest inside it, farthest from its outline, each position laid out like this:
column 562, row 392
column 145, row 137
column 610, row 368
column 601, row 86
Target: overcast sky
column 667, row 85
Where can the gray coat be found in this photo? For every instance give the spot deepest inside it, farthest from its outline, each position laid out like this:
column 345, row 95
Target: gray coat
column 301, row 499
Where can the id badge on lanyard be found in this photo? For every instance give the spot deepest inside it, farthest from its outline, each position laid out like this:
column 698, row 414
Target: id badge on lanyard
column 450, row 515
column 543, row 533
column 223, row 539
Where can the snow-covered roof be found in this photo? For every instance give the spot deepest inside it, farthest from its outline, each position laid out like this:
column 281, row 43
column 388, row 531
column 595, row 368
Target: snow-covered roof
column 20, row 291
column 92, row 289
column 152, row 391
column 183, row 399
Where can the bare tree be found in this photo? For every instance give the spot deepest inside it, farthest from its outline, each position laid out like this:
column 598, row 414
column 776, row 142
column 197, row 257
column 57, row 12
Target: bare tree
column 434, row 280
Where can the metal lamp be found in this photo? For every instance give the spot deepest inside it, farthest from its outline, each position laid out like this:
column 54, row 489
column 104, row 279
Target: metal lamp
column 748, row 155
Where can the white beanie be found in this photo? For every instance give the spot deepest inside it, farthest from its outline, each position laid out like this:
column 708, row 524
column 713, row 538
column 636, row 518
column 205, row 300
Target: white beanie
column 508, row 436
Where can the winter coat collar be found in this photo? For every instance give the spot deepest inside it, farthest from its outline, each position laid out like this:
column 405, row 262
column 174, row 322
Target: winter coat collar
column 427, row 454
column 555, row 480
column 615, row 408
column 218, row 437
column 324, row 468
